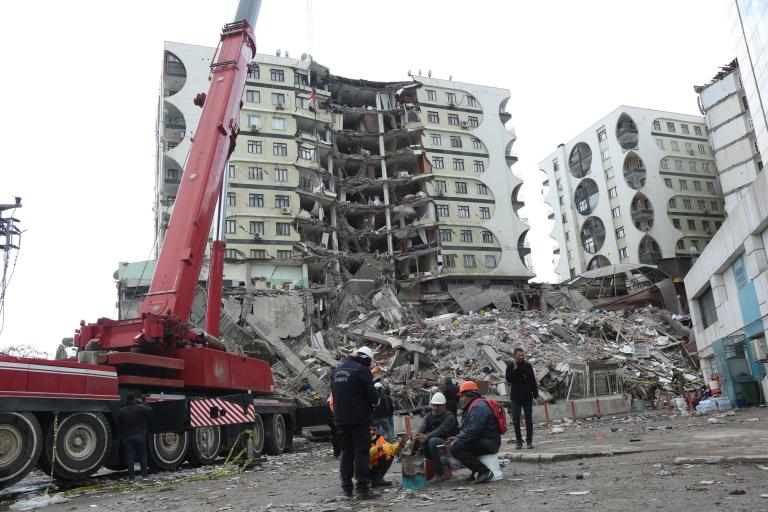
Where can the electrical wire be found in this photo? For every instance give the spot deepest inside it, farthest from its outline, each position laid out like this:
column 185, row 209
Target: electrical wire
column 6, row 279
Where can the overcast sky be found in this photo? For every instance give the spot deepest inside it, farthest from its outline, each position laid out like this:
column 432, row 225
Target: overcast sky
column 80, row 87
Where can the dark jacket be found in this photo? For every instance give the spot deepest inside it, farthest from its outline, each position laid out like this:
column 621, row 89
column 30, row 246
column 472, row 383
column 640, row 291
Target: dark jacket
column 522, row 382
column 354, row 396
column 381, row 412
column 478, row 427
column 451, row 392
column 439, row 425
column 132, row 419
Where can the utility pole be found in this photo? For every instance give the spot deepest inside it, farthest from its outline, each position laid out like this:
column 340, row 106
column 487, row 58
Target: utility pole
column 10, row 239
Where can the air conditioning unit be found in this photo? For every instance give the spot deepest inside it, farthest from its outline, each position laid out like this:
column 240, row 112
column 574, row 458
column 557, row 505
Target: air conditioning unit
column 255, row 127
column 257, row 236
column 279, row 106
column 759, row 349
column 285, row 210
column 464, row 125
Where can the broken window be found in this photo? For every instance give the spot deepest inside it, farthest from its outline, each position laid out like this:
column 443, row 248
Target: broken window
column 284, row 255
column 431, row 95
column 277, row 75
column 453, row 119
column 281, row 174
column 490, row 260
column 279, row 149
column 230, row 226
column 232, row 171
column 455, row 142
column 282, row 202
column 435, row 139
column 458, row 164
column 482, row 190
column 442, row 210
column 256, row 227
column 464, row 212
column 477, row 144
column 445, row 235
column 485, row 212
column 253, row 96
column 278, row 99
column 479, row 166
column 461, row 187
column 450, row 97
column 231, row 199
column 487, row 237
column 473, row 121
column 433, row 117
column 255, row 173
column 469, row 261
column 254, row 146
column 441, row 186
column 256, row 200
column 471, row 101
column 254, row 72
column 258, row 254
column 466, row 235
column 437, row 162
column 278, row 123
column 449, row 260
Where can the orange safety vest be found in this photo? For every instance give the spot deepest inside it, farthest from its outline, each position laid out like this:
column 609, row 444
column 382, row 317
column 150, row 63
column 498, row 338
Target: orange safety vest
column 330, row 401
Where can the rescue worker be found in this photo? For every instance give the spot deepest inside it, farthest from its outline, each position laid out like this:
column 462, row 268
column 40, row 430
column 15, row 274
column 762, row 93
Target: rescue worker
column 380, row 457
column 132, row 424
column 478, row 433
column 354, row 399
column 451, row 393
column 381, row 412
column 439, row 424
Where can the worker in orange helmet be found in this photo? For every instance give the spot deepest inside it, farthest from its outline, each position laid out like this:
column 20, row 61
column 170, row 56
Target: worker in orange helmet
column 478, row 433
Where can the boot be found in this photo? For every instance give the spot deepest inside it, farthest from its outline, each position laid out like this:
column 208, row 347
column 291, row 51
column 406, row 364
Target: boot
column 365, row 493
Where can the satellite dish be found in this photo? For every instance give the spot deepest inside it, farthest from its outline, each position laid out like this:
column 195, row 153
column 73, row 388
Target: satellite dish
column 303, row 56
column 429, row 73
column 277, row 52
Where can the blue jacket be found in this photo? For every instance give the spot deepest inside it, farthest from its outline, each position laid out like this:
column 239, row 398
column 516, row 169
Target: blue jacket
column 478, row 427
column 354, row 396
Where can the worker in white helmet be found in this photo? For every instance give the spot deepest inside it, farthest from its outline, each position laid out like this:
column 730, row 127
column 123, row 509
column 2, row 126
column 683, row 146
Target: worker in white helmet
column 438, row 425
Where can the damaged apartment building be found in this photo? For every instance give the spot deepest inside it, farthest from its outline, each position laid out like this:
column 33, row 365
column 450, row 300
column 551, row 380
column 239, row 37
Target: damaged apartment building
column 339, row 184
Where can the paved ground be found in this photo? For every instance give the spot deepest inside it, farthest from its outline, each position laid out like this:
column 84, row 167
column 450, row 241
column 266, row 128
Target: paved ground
column 641, row 474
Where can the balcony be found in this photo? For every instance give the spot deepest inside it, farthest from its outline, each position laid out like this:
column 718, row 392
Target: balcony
column 504, row 117
column 173, row 180
column 516, row 205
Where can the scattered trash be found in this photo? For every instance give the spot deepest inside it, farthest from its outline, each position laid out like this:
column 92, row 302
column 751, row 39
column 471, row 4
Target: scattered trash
column 577, row 493
column 38, row 502
column 737, row 492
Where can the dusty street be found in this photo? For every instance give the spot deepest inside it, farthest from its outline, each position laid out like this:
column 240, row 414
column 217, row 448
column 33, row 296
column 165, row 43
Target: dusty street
column 642, row 473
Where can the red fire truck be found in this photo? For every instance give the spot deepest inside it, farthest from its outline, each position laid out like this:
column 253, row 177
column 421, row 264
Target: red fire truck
column 202, row 396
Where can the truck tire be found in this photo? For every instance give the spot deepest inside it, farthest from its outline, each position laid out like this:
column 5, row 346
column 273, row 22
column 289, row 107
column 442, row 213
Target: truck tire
column 276, row 434
column 21, row 441
column 205, row 446
column 258, row 436
column 83, row 443
column 167, row 450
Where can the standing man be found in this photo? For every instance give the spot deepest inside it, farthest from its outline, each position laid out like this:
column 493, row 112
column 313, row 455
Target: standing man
column 354, row 399
column 522, row 391
column 439, row 424
column 451, row 393
column 132, row 424
column 478, row 433
column 381, row 412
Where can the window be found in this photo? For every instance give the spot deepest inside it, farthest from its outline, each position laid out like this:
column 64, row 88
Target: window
column 461, row 187
column 431, row 95
column 256, row 200
column 567, row 236
column 623, row 253
column 254, row 122
column 485, row 212
column 450, row 97
column 670, row 127
column 692, row 166
column 306, row 153
column 605, row 154
column 561, row 199
column 453, row 119
column 278, row 99
column 476, row 144
column 441, row 186
column 616, row 212
column 689, row 147
column 455, row 142
column 479, row 166
column 678, row 165
column 230, row 226
column 609, row 172
column 458, row 164
column 683, row 184
column 687, row 204
column 254, row 72
column 681, row 244
column 279, row 149
column 602, row 135
column 672, row 203
column 284, row 255
column 258, row 254
column 482, row 190
column 675, row 146
column 281, row 174
column 256, row 227
column 701, row 204
column 471, row 101
column 559, row 184
column 255, row 173
column 282, row 228
column 718, row 224
column 469, row 261
column 449, row 260
column 231, row 199
column 231, row 253
column 668, row 182
column 556, row 165
column 676, row 223
column 697, row 130
column 490, row 260
column 705, row 165
column 442, row 210
column 433, row 117
column 656, row 125
column 466, row 235
column 172, row 174
column 660, row 143
column 464, row 212
column 665, row 164
column 277, row 75
column 612, row 192
column 692, row 224
column 437, row 162
column 300, row 79
column 278, row 123
column 705, row 226
column 710, row 187
column 253, row 96
column 620, row 233
column 445, row 235
column 487, row 237
column 714, row 205
column 435, row 139
column 684, row 128
column 697, row 185
column 473, row 121
column 702, row 149
column 564, row 218
column 302, row 102
column 570, row 257
column 254, row 146
column 282, row 202
column 695, row 244
column 232, row 171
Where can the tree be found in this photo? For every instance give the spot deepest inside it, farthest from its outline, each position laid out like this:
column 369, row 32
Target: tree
column 24, row 351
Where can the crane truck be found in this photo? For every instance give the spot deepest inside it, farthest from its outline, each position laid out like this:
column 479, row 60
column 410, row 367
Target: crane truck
column 60, row 415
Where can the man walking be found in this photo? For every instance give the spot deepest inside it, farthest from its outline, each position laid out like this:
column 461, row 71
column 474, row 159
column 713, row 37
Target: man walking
column 478, row 433
column 439, row 424
column 522, row 391
column 354, row 399
column 132, row 424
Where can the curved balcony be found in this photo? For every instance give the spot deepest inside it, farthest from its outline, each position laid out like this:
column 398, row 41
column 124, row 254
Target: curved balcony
column 174, row 74
column 174, row 126
column 580, row 160
column 641, row 211
column 634, row 171
column 598, row 262
column 626, row 132
column 648, row 251
column 592, row 234
column 586, row 196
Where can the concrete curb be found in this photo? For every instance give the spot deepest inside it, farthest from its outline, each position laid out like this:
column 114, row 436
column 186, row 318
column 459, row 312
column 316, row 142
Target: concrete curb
column 718, row 459
column 558, row 457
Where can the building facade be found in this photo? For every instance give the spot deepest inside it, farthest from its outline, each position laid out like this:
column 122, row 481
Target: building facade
column 412, row 177
column 638, row 186
column 724, row 104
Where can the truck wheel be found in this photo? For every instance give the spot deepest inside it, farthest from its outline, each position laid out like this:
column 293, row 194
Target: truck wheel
column 21, row 441
column 276, row 434
column 82, row 445
column 206, row 445
column 258, row 435
column 167, row 450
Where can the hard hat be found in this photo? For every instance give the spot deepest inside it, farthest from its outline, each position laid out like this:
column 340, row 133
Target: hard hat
column 366, row 352
column 378, row 385
column 468, row 386
column 438, row 399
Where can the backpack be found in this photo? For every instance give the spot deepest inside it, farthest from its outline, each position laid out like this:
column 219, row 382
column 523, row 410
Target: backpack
column 498, row 413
